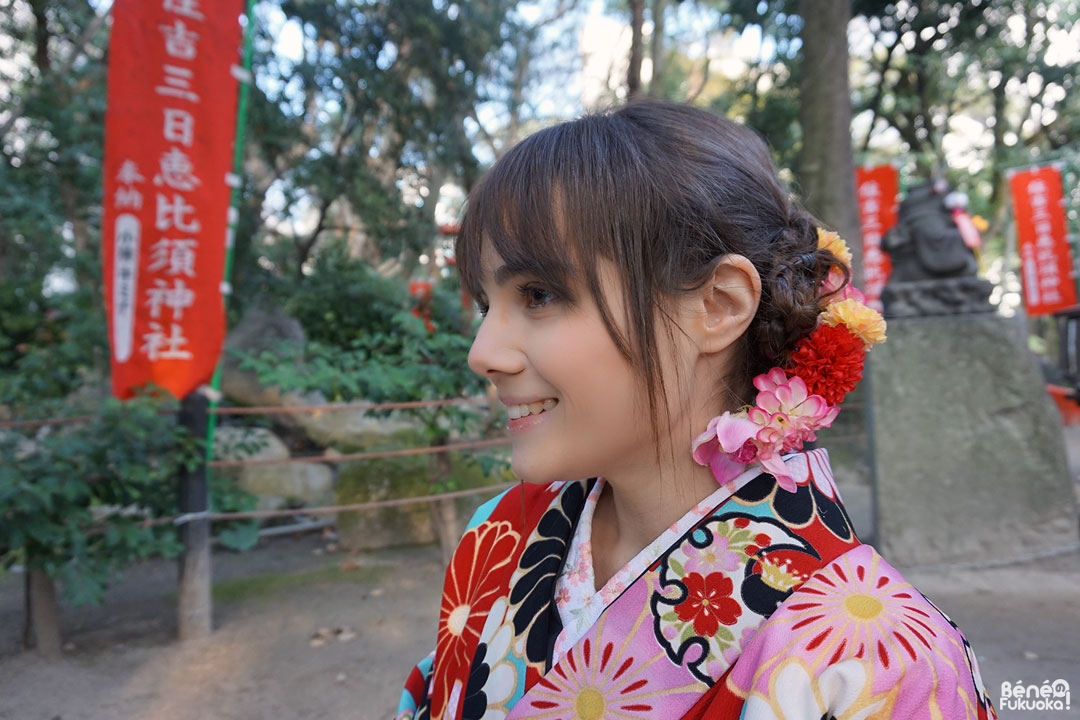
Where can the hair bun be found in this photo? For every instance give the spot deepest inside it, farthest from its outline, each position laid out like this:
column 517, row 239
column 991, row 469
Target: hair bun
column 791, row 292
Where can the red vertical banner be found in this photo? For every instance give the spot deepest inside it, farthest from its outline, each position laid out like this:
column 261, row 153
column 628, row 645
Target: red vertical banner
column 169, row 127
column 877, row 189
column 1046, row 266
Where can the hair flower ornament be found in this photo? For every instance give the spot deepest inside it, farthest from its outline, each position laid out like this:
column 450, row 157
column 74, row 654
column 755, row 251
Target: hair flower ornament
column 797, row 400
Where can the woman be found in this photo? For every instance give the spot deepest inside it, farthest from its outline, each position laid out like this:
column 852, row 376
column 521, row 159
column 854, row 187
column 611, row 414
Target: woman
column 667, row 329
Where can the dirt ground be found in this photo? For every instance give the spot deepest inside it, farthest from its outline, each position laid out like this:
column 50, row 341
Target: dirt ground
column 264, row 659
column 301, row 632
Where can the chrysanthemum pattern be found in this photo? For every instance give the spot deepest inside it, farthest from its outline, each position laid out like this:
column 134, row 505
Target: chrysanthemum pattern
column 533, row 582
column 838, row 644
column 858, row 608
column 496, row 679
column 814, row 510
column 600, row 678
column 484, row 551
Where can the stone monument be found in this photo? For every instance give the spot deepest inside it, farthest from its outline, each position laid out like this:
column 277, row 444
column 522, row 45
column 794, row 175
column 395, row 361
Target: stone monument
column 969, row 455
column 933, row 259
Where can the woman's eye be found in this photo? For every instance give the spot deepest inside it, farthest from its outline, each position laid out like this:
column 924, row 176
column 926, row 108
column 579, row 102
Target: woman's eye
column 536, row 296
column 482, row 308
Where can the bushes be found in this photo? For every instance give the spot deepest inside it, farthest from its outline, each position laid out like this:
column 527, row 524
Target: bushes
column 74, row 499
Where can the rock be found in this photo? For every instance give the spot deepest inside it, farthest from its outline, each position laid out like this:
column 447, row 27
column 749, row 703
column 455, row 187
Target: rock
column 402, row 477
column 351, row 431
column 18, row 444
column 275, row 486
column 257, row 331
column 970, row 459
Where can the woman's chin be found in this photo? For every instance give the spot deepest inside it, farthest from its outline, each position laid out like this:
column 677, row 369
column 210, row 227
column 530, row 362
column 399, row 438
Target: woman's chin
column 529, row 472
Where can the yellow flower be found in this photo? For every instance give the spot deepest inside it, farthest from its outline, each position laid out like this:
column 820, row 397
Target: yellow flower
column 828, row 240
column 980, row 223
column 863, row 322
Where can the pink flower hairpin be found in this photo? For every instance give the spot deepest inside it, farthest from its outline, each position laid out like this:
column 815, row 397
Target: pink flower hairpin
column 794, row 402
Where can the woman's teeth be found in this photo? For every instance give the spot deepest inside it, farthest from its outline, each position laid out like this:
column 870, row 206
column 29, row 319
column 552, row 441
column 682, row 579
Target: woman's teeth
column 520, row 411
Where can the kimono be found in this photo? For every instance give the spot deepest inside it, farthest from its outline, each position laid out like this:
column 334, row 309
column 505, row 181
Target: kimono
column 765, row 605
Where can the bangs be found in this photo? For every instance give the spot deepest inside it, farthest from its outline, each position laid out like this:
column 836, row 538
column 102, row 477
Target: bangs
column 544, row 206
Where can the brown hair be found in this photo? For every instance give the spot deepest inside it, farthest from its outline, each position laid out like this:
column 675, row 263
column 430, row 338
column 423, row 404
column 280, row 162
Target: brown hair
column 663, row 191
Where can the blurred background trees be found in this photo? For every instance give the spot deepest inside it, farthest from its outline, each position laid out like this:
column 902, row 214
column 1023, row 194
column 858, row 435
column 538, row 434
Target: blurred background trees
column 370, row 121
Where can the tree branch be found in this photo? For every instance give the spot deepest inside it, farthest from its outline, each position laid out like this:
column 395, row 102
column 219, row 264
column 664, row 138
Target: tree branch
column 62, row 69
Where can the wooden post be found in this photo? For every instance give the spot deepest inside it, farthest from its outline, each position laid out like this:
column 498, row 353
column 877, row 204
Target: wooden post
column 195, row 607
column 43, row 613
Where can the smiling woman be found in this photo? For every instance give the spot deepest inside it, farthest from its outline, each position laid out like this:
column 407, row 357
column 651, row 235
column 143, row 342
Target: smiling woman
column 667, row 329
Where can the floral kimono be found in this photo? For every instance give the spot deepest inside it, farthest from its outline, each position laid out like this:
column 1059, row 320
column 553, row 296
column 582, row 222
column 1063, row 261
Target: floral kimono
column 762, row 604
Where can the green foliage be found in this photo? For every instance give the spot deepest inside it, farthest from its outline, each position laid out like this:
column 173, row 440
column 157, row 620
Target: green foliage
column 993, row 77
column 343, row 300
column 227, row 497
column 49, row 348
column 75, row 498
column 404, row 363
column 358, row 134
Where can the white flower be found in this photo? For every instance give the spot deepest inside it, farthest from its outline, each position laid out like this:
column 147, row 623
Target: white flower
column 842, row 692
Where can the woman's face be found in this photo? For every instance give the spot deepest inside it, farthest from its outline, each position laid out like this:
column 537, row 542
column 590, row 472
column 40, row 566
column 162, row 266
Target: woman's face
column 577, row 408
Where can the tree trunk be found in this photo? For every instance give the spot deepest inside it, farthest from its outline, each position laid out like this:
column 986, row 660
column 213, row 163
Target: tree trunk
column 444, row 517
column 827, row 171
column 637, row 48
column 522, row 62
column 656, row 49
column 28, row 615
column 44, row 614
column 194, row 602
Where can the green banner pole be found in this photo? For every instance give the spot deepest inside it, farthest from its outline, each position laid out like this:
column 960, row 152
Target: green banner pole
column 246, row 80
column 194, row 596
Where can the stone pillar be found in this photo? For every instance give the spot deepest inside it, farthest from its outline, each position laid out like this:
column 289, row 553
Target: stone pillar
column 969, row 454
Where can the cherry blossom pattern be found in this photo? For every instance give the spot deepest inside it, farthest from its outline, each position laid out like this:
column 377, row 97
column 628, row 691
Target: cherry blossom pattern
column 841, row 692
column 708, row 603
column 700, row 614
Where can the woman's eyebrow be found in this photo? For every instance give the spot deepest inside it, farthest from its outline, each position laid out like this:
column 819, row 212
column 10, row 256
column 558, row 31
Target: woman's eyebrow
column 502, row 274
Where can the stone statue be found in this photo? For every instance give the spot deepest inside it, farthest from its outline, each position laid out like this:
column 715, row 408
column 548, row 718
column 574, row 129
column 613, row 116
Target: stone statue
column 932, row 249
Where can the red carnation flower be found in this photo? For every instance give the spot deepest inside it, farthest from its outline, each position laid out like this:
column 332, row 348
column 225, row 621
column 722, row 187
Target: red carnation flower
column 830, row 361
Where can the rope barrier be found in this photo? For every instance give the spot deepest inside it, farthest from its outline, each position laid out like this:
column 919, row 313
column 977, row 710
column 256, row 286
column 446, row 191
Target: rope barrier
column 316, row 409
column 326, row 509
column 337, row 407
column 21, row 424
column 335, row 458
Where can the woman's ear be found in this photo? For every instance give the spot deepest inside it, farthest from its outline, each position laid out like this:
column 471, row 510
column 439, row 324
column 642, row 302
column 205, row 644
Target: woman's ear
column 729, row 302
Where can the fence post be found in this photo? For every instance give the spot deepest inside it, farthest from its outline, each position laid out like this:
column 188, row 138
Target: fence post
column 195, row 608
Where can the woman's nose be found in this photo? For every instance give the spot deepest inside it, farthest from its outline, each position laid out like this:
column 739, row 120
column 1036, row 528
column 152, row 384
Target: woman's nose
column 494, row 351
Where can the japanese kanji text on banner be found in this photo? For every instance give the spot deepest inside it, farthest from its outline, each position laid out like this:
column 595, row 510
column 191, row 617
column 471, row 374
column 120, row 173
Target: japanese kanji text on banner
column 1046, row 265
column 169, row 128
column 877, row 188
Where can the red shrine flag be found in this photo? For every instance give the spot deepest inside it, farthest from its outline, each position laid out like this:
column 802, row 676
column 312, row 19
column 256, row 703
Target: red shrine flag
column 169, row 127
column 1046, row 265
column 877, row 189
